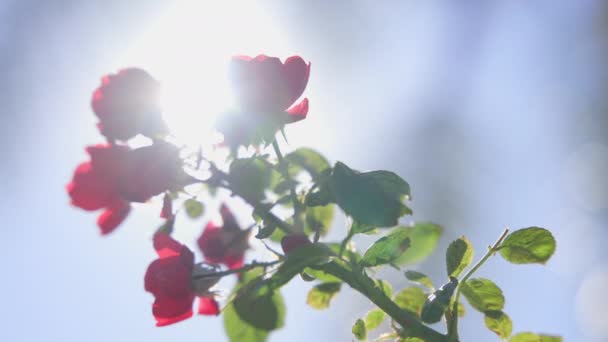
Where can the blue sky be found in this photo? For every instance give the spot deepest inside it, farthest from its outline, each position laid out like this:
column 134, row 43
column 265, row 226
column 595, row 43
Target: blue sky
column 492, row 112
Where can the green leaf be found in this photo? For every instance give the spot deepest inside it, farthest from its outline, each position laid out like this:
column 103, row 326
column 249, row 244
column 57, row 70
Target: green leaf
column 387, row 337
column 282, row 187
column 424, row 237
column 373, row 319
column 358, row 228
column 236, row 328
column 384, row 286
column 458, row 256
column 264, row 311
column 193, row 208
column 319, row 219
column 499, row 322
column 266, row 230
column 461, row 309
column 321, row 275
column 528, row 245
column 411, row 299
column 321, row 197
column 373, row 198
column 320, row 295
column 483, row 294
column 307, row 159
column 239, row 330
column 532, row 337
column 419, row 278
column 359, row 330
column 437, row 302
column 387, row 249
column 250, row 177
column 297, row 260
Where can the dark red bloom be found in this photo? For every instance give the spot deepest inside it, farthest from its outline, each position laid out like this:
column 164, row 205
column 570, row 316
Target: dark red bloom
column 294, row 241
column 170, row 279
column 265, row 89
column 127, row 104
column 224, row 244
column 117, row 175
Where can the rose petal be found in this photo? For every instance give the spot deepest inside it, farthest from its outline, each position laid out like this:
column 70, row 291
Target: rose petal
column 88, row 189
column 166, row 246
column 113, row 216
column 172, row 310
column 210, row 243
column 297, row 112
column 208, row 306
column 295, row 75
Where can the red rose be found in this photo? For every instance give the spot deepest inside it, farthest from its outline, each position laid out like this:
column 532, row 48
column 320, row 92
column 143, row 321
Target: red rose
column 117, row 175
column 293, row 242
column 151, row 170
column 169, row 279
column 93, row 186
column 224, row 244
column 127, row 104
column 265, row 89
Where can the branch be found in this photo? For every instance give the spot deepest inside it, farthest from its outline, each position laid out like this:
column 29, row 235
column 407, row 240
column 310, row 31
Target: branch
column 284, row 170
column 237, row 270
column 364, row 285
column 453, row 322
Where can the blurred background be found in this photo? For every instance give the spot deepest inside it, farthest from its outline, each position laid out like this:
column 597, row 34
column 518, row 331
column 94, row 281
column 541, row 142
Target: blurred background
column 494, row 112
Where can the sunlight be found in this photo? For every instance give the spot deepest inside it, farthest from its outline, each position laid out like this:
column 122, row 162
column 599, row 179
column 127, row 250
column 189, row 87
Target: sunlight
column 188, row 50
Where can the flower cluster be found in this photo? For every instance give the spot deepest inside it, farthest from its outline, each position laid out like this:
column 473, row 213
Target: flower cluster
column 293, row 198
column 127, row 104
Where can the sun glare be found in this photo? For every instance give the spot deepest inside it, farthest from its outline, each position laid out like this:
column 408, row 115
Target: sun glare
column 188, row 50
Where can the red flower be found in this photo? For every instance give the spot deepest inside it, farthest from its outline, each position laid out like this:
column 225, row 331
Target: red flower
column 226, row 244
column 170, row 279
column 117, row 175
column 127, row 104
column 293, row 242
column 93, row 186
column 151, row 170
column 265, row 89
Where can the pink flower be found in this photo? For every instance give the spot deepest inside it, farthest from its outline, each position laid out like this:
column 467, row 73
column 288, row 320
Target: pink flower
column 224, row 244
column 266, row 90
column 170, row 279
column 127, row 104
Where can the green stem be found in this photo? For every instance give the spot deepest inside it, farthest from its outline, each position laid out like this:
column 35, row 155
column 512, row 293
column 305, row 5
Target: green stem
column 283, row 168
column 237, row 270
column 258, row 207
column 366, row 286
column 453, row 321
column 345, row 241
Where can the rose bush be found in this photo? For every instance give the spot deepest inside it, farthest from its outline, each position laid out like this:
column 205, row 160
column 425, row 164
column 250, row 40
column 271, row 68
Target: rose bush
column 293, row 199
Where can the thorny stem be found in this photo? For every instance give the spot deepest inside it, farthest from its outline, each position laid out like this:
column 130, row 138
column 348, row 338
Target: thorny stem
column 453, row 323
column 283, row 168
column 237, row 270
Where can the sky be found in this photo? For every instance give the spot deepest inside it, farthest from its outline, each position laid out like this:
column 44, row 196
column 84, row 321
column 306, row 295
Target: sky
column 493, row 112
